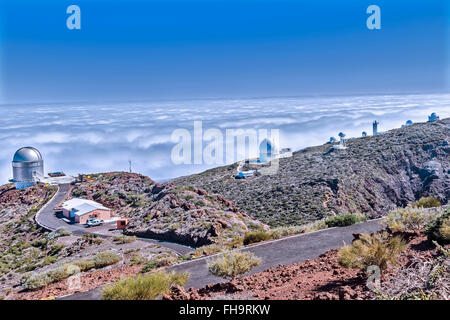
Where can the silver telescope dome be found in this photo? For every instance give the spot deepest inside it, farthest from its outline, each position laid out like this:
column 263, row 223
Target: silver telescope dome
column 28, row 167
column 27, row 154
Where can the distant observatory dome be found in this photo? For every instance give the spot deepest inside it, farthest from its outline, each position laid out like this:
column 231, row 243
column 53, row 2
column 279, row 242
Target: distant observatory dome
column 267, row 150
column 433, row 117
column 27, row 165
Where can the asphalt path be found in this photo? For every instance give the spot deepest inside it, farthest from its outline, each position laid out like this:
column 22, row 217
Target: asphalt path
column 284, row 251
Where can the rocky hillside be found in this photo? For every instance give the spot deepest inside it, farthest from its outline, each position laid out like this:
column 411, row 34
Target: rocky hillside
column 374, row 175
column 186, row 215
column 29, row 252
column 18, row 231
column 17, row 208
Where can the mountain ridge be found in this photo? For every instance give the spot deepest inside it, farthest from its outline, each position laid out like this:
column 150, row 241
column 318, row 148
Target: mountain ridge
column 372, row 176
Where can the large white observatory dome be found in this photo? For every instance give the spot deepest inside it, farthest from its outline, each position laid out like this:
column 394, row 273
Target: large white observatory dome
column 27, row 166
column 267, row 150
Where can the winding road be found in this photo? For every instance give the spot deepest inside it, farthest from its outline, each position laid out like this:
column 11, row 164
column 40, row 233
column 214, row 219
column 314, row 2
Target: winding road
column 46, row 218
column 284, row 251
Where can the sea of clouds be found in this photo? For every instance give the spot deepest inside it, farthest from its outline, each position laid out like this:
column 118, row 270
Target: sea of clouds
column 91, row 138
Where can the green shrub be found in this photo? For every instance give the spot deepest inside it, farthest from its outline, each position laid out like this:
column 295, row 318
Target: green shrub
column 40, row 280
column 256, row 236
column 371, row 250
column 314, row 226
column 92, row 239
column 200, row 203
column 232, row 264
column 37, row 281
column 49, row 260
column 343, row 220
column 40, row 243
column 158, row 263
column 54, row 250
column 207, row 250
column 439, row 229
column 85, row 265
column 60, row 232
column 104, row 259
column 150, row 266
column 445, row 229
column 260, row 234
column 124, row 239
column 63, row 272
column 409, row 219
column 427, row 203
column 144, row 287
column 281, row 232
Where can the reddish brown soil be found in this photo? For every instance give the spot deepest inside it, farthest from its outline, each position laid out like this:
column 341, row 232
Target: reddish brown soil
column 321, row 278
column 89, row 281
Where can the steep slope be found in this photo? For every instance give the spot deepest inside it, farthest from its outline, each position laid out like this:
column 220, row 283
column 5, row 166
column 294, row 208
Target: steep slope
column 186, row 215
column 374, row 175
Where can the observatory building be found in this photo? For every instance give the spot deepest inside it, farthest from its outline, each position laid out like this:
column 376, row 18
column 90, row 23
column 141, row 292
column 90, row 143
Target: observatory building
column 375, row 127
column 28, row 166
column 407, row 124
column 267, row 151
column 342, row 142
column 433, row 117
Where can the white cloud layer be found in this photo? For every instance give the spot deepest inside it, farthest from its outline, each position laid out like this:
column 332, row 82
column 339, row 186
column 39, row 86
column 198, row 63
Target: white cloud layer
column 98, row 138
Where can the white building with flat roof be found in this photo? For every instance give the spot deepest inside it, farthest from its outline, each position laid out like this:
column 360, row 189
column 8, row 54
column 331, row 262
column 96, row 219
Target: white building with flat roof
column 80, row 210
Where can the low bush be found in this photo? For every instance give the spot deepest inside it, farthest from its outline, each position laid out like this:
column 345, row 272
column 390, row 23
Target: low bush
column 144, row 287
column 40, row 280
column 37, row 281
column 60, row 232
column 104, row 259
column 425, row 203
column 343, row 220
column 445, row 229
column 92, row 239
column 54, row 250
column 85, row 265
column 409, row 219
column 137, row 259
column 207, row 250
column 40, row 243
column 439, row 229
column 281, row 232
column 150, row 266
column 256, row 236
column 378, row 249
column 159, row 262
column 124, row 239
column 232, row 264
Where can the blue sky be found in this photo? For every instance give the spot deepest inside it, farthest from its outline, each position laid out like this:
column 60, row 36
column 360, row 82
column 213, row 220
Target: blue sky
column 180, row 49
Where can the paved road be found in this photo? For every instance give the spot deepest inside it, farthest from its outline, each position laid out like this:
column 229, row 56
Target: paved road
column 46, row 218
column 273, row 253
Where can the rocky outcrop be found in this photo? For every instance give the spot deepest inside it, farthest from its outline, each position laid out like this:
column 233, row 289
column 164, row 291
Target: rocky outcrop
column 186, row 215
column 372, row 176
